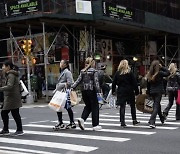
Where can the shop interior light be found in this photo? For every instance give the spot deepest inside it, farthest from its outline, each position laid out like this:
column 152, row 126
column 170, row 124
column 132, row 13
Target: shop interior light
column 97, row 57
column 135, row 59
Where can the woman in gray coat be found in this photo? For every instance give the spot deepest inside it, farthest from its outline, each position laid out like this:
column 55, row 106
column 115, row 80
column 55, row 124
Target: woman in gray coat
column 65, row 80
column 12, row 99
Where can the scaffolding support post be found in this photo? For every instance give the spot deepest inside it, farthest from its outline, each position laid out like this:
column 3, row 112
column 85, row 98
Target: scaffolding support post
column 12, row 54
column 179, row 52
column 45, row 60
column 165, row 51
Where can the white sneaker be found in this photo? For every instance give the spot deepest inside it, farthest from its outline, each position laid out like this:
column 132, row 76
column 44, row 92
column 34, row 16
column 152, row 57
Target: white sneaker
column 96, row 128
column 81, row 123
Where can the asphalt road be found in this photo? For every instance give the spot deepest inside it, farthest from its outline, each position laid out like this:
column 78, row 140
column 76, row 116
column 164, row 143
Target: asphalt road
column 40, row 138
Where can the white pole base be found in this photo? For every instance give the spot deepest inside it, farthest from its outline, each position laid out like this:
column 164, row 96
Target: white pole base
column 29, row 99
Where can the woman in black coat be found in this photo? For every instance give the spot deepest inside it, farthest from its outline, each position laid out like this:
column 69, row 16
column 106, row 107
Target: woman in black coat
column 156, row 89
column 127, row 89
column 173, row 84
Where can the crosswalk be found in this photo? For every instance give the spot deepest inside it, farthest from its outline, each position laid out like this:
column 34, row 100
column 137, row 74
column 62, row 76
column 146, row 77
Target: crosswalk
column 39, row 137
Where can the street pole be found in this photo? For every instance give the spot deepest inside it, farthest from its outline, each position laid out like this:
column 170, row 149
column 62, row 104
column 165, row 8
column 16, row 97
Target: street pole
column 45, row 61
column 165, row 51
column 30, row 96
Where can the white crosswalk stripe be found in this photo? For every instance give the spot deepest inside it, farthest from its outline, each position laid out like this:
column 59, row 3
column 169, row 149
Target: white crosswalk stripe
column 110, row 132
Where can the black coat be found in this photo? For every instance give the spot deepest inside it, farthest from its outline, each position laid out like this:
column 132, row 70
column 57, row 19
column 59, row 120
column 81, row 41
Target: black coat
column 156, row 86
column 127, row 87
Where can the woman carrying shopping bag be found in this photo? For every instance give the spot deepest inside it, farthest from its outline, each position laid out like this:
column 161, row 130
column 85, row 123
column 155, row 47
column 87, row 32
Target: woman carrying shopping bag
column 173, row 84
column 90, row 87
column 12, row 99
column 127, row 88
column 65, row 80
column 156, row 89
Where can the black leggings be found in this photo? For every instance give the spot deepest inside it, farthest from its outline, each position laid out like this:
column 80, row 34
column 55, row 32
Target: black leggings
column 16, row 116
column 70, row 113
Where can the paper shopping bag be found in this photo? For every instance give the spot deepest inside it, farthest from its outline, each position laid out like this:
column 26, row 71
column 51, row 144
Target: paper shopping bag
column 178, row 98
column 73, row 98
column 58, row 101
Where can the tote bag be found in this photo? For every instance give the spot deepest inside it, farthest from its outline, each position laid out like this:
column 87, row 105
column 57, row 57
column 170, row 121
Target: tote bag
column 178, row 98
column 73, row 98
column 58, row 101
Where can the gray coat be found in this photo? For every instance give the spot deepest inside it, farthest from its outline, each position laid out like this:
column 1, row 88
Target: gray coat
column 12, row 95
column 64, row 79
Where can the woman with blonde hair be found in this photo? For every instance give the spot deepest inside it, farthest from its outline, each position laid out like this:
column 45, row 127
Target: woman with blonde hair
column 155, row 88
column 126, row 91
column 173, row 85
column 89, row 88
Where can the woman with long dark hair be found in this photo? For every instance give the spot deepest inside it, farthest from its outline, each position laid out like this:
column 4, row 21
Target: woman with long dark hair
column 90, row 87
column 126, row 91
column 65, row 80
column 155, row 87
column 12, row 99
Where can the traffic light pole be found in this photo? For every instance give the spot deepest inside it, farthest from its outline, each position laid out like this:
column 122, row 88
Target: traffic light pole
column 30, row 96
column 45, row 61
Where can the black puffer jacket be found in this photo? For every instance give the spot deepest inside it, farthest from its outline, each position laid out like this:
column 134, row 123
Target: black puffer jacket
column 156, row 86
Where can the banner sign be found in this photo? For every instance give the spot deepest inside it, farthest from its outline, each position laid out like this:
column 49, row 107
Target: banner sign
column 117, row 11
column 20, row 7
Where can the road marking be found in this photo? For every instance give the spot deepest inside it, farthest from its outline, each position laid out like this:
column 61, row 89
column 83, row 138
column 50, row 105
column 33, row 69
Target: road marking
column 39, row 121
column 140, row 126
column 103, row 130
column 65, row 146
column 138, row 117
column 11, row 152
column 26, row 150
column 91, row 137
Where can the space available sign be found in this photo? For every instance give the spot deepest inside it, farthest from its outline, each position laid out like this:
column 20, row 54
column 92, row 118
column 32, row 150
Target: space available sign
column 23, row 6
column 117, row 11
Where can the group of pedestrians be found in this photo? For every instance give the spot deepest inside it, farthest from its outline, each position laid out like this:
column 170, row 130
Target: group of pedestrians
column 124, row 85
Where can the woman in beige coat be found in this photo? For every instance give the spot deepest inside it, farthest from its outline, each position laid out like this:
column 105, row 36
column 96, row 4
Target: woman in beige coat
column 12, row 99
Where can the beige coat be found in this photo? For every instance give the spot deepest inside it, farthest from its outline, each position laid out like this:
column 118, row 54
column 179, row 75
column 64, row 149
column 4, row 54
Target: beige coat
column 12, row 95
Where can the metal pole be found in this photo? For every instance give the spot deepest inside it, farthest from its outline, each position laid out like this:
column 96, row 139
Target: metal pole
column 145, row 54
column 165, row 50
column 178, row 52
column 45, row 60
column 12, row 54
column 75, row 52
column 30, row 96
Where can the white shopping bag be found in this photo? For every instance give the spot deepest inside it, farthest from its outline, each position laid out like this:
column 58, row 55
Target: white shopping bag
column 58, row 101
column 24, row 91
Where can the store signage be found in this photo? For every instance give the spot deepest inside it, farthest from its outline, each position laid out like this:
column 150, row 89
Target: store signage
column 117, row 11
column 23, row 7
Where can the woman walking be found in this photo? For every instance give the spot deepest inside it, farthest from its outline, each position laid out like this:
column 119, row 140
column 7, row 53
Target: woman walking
column 127, row 89
column 90, row 87
column 155, row 87
column 65, row 80
column 12, row 99
column 173, row 84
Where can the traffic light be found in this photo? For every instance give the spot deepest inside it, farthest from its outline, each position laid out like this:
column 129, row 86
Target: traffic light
column 26, row 46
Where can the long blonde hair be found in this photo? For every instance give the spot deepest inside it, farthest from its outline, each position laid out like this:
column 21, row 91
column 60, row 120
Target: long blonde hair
column 172, row 69
column 89, row 62
column 123, row 67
